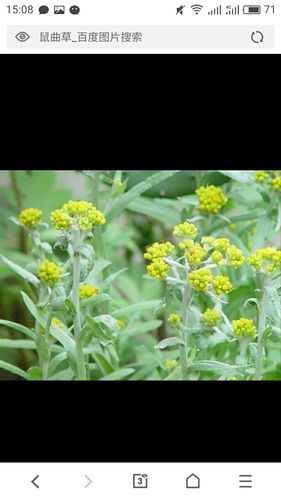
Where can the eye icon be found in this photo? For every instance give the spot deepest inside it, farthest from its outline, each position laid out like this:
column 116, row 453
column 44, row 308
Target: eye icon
column 22, row 36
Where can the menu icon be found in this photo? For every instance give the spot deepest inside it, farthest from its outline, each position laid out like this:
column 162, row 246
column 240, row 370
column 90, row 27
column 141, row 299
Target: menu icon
column 245, row 480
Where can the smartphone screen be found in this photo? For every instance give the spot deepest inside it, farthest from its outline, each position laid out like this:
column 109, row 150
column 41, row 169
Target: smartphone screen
column 140, row 26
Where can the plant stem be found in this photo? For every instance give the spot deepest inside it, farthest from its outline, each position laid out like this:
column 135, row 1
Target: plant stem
column 77, row 317
column 97, row 175
column 19, row 201
column 45, row 362
column 98, row 232
column 262, row 325
column 37, row 244
column 183, row 349
column 243, row 350
column 37, row 330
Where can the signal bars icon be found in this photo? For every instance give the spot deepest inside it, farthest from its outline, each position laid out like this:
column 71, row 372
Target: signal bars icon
column 197, row 8
column 233, row 11
column 215, row 12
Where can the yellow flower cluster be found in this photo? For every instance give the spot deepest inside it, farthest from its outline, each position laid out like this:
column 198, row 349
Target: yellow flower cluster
column 170, row 364
column 80, row 213
column 218, row 258
column 30, row 217
column 60, row 220
column 272, row 178
column 174, row 319
column 195, row 253
column 221, row 244
column 261, row 176
column 208, row 241
column 49, row 272
column 87, row 291
column 201, row 279
column 185, row 229
column 267, row 260
column 243, row 327
column 235, row 256
column 120, row 323
column 159, row 251
column 276, row 183
column 222, row 284
column 211, row 199
column 211, row 317
column 158, row 269
column 224, row 250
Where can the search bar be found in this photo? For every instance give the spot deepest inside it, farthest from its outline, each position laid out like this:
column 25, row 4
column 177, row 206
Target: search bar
column 110, row 37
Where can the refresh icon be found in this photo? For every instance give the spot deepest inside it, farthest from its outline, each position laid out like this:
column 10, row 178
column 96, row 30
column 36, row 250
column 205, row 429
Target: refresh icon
column 257, row 37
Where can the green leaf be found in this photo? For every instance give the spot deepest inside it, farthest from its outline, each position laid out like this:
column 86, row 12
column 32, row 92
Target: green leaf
column 170, row 342
column 175, row 375
column 23, row 273
column 14, row 369
column 43, row 347
column 156, row 209
column 244, row 176
column 140, row 328
column 95, row 301
column 215, row 366
column 103, row 363
column 67, row 374
column 99, row 267
column 119, row 374
column 139, row 307
column 267, row 332
column 56, row 361
column 107, row 321
column 278, row 224
column 145, row 371
column 112, row 278
column 15, row 220
column 264, row 232
column 89, row 173
column 67, row 342
column 184, row 182
column 100, row 329
column 250, row 303
column 124, row 201
column 87, row 251
column 64, row 339
column 58, row 304
column 247, row 216
column 113, row 356
column 17, row 344
column 35, row 373
column 19, row 328
column 33, row 309
column 70, row 307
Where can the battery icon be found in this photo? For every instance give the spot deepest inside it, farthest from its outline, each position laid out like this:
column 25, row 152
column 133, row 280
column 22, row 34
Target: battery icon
column 251, row 9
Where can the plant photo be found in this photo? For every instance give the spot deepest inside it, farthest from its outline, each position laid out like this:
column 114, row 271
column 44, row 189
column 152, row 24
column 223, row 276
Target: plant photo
column 165, row 275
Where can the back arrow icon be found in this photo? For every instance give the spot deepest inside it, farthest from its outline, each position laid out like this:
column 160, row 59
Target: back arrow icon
column 34, row 482
column 89, row 481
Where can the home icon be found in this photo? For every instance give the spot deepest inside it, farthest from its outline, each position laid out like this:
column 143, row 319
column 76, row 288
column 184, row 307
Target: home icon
column 193, row 481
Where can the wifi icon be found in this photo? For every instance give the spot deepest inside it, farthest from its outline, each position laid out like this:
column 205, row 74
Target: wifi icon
column 197, row 8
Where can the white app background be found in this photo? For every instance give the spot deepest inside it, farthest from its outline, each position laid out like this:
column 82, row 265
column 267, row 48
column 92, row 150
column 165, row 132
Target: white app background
column 140, row 26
